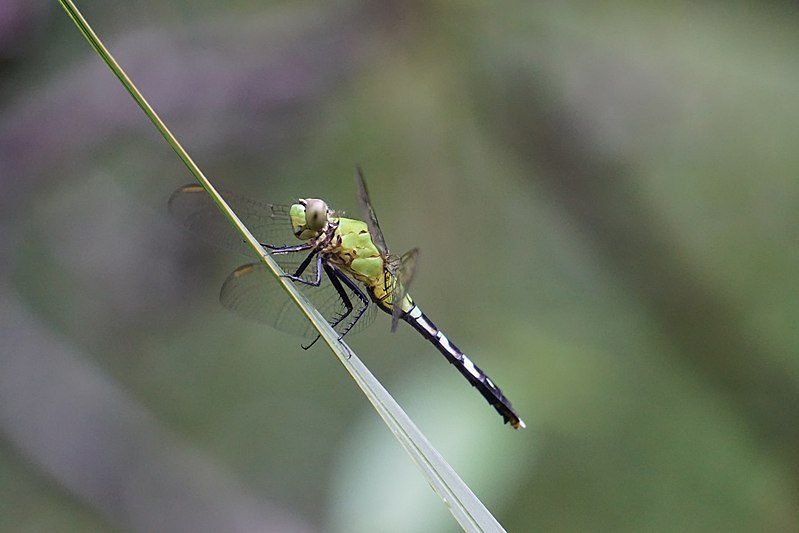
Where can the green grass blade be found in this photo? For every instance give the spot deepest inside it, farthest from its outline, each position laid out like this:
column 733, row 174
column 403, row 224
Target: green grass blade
column 470, row 513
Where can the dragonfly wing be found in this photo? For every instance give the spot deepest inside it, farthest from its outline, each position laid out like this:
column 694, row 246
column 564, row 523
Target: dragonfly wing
column 191, row 206
column 403, row 276
column 368, row 213
column 252, row 292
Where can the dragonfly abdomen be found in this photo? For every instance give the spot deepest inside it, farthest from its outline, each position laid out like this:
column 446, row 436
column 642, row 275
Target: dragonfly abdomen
column 416, row 318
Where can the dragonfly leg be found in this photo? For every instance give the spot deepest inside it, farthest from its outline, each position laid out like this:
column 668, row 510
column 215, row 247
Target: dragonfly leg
column 335, row 275
column 355, row 289
column 287, row 249
column 297, row 276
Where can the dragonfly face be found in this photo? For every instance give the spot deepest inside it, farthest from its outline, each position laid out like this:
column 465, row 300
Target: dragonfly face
column 309, row 218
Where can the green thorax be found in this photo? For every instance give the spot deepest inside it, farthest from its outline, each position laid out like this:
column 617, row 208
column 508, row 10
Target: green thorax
column 352, row 249
column 367, row 264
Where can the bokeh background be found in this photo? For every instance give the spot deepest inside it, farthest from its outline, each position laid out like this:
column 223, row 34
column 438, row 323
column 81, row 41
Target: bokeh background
column 606, row 200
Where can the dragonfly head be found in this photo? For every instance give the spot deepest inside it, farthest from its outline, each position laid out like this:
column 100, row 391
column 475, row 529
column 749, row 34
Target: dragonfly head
column 309, row 217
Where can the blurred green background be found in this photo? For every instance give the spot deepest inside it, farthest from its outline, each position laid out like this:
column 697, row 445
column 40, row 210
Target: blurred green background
column 606, row 201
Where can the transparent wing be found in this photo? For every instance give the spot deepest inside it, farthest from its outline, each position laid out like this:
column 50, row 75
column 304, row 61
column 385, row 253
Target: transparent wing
column 402, row 270
column 368, row 213
column 252, row 292
column 191, row 206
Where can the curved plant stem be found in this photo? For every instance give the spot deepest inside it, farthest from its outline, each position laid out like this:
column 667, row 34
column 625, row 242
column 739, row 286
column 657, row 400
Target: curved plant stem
column 469, row 511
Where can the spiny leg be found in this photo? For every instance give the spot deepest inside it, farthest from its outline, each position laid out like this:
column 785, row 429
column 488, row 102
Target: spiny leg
column 297, row 276
column 345, row 299
column 361, row 296
column 334, row 275
column 288, row 249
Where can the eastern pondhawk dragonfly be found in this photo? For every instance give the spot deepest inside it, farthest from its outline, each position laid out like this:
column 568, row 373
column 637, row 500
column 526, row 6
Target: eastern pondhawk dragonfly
column 342, row 265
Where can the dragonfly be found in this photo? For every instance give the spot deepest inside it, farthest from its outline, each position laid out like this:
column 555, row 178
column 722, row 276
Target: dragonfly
column 342, row 265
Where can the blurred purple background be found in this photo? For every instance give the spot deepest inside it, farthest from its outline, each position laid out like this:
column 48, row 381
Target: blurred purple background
column 605, row 199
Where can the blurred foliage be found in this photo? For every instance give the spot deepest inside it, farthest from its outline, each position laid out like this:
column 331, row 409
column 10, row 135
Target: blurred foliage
column 606, row 201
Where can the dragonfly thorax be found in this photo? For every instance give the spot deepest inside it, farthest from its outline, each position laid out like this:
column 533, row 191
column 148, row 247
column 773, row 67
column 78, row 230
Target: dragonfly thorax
column 309, row 218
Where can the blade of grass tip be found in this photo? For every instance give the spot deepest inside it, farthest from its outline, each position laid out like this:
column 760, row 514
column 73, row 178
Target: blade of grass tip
column 465, row 507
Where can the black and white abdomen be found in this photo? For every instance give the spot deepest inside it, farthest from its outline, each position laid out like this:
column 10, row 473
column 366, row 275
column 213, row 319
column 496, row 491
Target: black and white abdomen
column 465, row 366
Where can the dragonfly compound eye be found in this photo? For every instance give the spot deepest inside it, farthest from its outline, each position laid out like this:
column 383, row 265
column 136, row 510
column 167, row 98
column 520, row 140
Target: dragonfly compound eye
column 315, row 214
